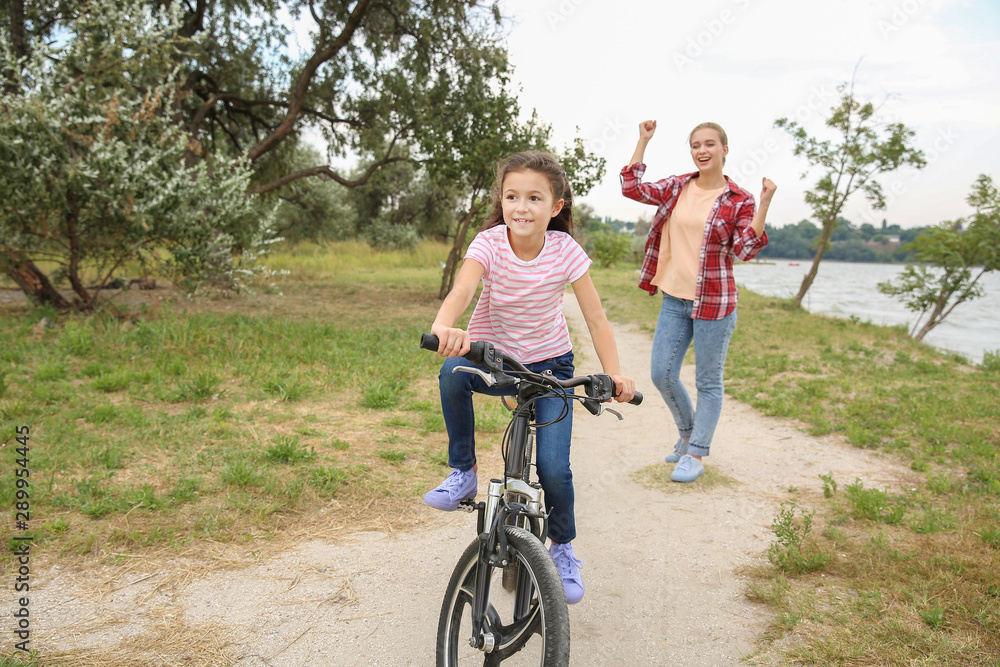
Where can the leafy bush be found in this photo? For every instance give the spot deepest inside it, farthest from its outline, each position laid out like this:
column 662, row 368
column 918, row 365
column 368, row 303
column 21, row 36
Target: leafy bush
column 92, row 149
column 384, row 235
column 991, row 361
column 610, row 248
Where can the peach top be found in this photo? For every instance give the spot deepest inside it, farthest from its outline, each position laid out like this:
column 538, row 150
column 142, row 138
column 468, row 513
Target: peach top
column 680, row 246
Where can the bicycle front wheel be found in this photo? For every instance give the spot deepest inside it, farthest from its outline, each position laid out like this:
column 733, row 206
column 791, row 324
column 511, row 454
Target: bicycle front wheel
column 530, row 624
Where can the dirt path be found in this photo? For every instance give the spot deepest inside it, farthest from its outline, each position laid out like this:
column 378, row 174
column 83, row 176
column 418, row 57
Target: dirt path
column 660, row 566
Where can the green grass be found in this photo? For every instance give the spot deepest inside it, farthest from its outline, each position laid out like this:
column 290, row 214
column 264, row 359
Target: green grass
column 912, row 578
column 213, row 419
column 220, row 420
column 287, row 449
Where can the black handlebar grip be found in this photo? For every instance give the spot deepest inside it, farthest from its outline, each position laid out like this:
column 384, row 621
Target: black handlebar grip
column 429, row 342
column 477, row 353
column 636, row 400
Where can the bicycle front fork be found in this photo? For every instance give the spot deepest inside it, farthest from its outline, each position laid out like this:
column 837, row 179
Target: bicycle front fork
column 531, row 496
column 493, row 551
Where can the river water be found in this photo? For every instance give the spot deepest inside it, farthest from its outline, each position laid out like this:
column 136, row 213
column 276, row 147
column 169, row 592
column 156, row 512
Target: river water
column 843, row 289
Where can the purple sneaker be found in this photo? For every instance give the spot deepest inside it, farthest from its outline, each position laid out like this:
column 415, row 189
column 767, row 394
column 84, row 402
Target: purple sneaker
column 680, row 449
column 688, row 469
column 458, row 486
column 569, row 570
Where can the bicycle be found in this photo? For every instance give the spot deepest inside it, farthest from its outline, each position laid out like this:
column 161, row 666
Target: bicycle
column 511, row 530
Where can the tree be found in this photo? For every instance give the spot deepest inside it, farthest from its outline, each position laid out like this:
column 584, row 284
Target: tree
column 470, row 123
column 584, row 216
column 362, row 79
column 377, row 80
column 960, row 257
column 843, row 230
column 95, row 172
column 863, row 149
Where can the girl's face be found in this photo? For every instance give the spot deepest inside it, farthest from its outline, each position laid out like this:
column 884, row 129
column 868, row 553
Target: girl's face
column 528, row 203
column 707, row 150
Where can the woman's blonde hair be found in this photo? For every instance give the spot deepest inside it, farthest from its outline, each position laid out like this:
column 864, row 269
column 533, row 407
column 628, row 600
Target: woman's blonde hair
column 711, row 126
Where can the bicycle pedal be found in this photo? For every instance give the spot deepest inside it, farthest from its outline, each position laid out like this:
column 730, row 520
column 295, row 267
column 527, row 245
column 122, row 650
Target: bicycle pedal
column 469, row 505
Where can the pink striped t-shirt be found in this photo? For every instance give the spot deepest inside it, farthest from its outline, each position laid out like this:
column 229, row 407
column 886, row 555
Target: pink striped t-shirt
column 520, row 307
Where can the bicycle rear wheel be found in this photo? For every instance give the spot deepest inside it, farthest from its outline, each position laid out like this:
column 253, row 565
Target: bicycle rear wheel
column 538, row 636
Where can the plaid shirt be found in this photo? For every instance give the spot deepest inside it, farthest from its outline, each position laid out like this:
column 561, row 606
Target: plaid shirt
column 727, row 234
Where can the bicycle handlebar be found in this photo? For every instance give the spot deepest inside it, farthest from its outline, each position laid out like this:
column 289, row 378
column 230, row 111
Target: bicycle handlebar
column 600, row 387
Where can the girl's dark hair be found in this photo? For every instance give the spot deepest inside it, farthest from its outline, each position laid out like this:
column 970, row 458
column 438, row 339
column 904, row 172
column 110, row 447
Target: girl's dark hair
column 545, row 164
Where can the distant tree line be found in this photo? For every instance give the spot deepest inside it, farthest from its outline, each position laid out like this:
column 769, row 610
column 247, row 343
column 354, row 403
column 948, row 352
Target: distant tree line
column 848, row 243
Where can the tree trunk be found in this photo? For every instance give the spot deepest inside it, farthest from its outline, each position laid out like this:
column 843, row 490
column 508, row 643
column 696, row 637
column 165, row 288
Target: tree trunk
column 811, row 276
column 476, row 204
column 18, row 42
column 932, row 321
column 451, row 266
column 35, row 284
column 86, row 302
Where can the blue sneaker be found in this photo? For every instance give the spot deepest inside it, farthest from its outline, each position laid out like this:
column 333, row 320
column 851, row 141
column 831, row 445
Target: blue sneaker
column 569, row 570
column 458, row 486
column 688, row 469
column 680, row 449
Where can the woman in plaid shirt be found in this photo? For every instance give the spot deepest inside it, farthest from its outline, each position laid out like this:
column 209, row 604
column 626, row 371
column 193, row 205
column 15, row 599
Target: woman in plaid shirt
column 702, row 221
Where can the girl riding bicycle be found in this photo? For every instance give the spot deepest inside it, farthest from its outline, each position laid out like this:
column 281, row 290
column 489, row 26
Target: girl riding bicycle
column 524, row 256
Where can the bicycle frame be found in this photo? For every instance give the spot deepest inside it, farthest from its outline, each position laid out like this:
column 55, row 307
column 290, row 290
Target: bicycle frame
column 500, row 506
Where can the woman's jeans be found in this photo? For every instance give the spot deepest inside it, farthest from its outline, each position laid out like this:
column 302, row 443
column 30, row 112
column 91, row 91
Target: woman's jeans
column 674, row 331
column 551, row 442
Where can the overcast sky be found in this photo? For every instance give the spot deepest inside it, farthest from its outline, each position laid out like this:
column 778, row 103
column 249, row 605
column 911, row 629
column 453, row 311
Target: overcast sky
column 605, row 66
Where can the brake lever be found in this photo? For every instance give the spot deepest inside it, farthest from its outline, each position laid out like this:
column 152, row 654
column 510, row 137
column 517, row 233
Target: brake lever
column 487, row 377
column 612, row 411
column 491, row 379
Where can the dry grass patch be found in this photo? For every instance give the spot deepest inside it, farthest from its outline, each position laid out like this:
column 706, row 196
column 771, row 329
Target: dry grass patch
column 657, row 477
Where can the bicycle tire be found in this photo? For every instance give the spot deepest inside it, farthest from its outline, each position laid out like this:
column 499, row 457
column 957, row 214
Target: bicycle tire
column 548, row 616
column 512, row 572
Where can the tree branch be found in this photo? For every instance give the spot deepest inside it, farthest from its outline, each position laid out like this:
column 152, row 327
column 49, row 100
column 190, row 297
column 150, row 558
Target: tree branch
column 206, row 108
column 325, row 170
column 360, row 11
column 195, row 21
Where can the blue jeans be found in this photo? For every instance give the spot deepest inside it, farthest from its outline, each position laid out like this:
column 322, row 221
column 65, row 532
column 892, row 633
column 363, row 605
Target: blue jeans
column 675, row 330
column 551, row 442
